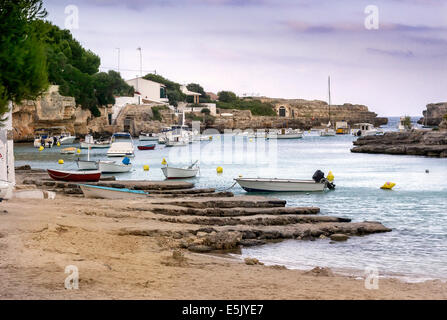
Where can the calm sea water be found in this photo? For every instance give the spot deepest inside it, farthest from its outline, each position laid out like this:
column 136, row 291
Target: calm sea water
column 416, row 209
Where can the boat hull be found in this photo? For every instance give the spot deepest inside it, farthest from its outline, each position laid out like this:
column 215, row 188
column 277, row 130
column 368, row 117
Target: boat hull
column 67, row 140
column 74, row 176
column 280, row 185
column 87, row 165
column 110, row 193
column 113, row 167
column 86, row 145
column 149, row 147
column 179, row 173
column 148, row 138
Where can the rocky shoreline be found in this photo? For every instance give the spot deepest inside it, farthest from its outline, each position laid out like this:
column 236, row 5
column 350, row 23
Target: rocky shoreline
column 414, row 142
column 215, row 220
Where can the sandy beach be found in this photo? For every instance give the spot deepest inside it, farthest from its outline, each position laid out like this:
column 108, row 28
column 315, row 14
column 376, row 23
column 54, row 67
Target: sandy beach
column 39, row 238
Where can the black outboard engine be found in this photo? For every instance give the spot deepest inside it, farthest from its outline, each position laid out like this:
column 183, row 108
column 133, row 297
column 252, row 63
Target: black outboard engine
column 318, row 175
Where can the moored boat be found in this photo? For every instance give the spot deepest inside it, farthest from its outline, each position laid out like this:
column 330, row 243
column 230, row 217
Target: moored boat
column 148, row 136
column 181, row 173
column 122, row 145
column 91, row 143
column 91, row 191
column 285, row 134
column 74, row 176
column 70, row 150
column 87, row 164
column 114, row 167
column 147, row 147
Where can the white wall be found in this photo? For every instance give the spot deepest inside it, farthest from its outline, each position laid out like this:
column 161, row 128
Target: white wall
column 149, row 90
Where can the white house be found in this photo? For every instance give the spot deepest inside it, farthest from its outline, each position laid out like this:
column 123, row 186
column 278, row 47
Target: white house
column 148, row 90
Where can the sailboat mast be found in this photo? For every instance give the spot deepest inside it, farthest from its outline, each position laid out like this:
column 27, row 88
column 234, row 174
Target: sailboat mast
column 329, row 89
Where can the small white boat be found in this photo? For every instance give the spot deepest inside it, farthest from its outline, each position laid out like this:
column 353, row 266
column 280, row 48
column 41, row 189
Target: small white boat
column 148, row 136
column 90, row 143
column 113, row 167
column 87, row 164
column 5, row 188
column 91, row 191
column 66, row 138
column 285, row 134
column 280, row 185
column 180, row 173
column 365, row 129
column 122, row 145
column 327, row 132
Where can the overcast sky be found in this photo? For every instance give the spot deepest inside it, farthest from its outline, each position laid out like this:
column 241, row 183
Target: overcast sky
column 276, row 48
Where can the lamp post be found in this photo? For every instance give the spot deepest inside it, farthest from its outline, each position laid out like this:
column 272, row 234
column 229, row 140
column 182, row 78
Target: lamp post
column 141, row 62
column 118, row 58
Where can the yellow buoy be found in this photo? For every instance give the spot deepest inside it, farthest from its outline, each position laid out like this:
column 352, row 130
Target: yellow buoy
column 146, row 167
column 240, row 176
column 388, row 186
column 163, row 162
column 61, row 161
column 78, row 150
column 58, row 144
column 330, row 176
column 41, row 148
column 251, row 140
column 211, row 138
column 219, row 169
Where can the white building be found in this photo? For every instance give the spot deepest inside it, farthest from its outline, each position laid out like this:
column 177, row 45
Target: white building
column 149, row 91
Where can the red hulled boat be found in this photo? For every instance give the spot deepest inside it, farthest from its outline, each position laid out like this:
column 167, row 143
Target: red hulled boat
column 147, row 147
column 75, row 176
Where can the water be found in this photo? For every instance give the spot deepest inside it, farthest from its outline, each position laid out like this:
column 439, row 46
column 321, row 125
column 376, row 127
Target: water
column 415, row 210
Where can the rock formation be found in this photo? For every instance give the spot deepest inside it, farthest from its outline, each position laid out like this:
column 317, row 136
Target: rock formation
column 297, row 113
column 434, row 114
column 414, row 142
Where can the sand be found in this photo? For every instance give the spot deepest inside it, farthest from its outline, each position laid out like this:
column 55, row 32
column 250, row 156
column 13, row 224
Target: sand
column 39, row 238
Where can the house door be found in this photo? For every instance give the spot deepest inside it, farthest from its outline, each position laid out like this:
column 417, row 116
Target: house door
column 127, row 125
column 282, row 111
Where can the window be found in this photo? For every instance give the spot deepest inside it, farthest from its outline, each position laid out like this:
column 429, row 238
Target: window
column 162, row 92
column 282, row 111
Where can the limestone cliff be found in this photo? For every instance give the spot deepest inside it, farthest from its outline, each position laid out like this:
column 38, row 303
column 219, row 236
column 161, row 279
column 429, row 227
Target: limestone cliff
column 434, row 114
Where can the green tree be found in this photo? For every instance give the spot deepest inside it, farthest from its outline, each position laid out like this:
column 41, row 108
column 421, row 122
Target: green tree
column 173, row 91
column 22, row 53
column 227, row 96
column 195, row 87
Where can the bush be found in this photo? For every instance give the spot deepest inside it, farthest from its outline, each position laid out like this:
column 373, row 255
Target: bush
column 156, row 114
column 227, row 96
column 445, row 117
column 257, row 107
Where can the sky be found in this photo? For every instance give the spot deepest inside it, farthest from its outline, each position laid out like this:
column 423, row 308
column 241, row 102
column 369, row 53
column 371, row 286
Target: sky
column 391, row 57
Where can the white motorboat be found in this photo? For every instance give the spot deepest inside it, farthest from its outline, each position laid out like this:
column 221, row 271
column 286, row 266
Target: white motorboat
column 327, row 132
column 5, row 189
column 122, row 145
column 365, row 129
column 89, row 142
column 148, row 136
column 181, row 173
column 91, row 191
column 176, row 141
column 43, row 138
column 66, row 138
column 113, row 167
column 284, row 134
column 280, row 185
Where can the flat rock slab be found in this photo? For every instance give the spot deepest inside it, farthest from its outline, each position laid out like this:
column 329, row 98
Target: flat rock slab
column 253, row 220
column 233, row 202
column 232, row 212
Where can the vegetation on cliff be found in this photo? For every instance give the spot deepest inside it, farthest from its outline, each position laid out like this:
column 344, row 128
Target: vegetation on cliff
column 22, row 53
column 173, row 91
column 229, row 100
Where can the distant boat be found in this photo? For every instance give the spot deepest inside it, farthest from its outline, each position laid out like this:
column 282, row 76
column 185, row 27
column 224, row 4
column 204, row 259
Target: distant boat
column 91, row 191
column 280, row 185
column 284, row 134
column 148, row 136
column 365, row 129
column 181, row 173
column 328, row 131
column 74, row 176
column 147, row 147
column 66, row 138
column 89, row 142
column 70, row 150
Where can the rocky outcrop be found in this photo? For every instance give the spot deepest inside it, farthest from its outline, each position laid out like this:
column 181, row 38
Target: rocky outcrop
column 434, row 114
column 414, row 142
column 296, row 113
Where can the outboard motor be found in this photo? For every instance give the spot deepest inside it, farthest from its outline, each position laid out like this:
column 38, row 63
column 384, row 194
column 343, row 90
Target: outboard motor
column 318, row 175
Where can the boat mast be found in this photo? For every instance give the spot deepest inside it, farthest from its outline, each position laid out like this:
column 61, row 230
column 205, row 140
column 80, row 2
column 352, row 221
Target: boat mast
column 329, row 89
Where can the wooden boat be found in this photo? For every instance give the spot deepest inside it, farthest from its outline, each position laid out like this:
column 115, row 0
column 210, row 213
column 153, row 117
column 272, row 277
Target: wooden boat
column 280, row 185
column 114, row 167
column 180, row 173
column 71, row 150
column 91, row 191
column 147, row 147
column 74, row 176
